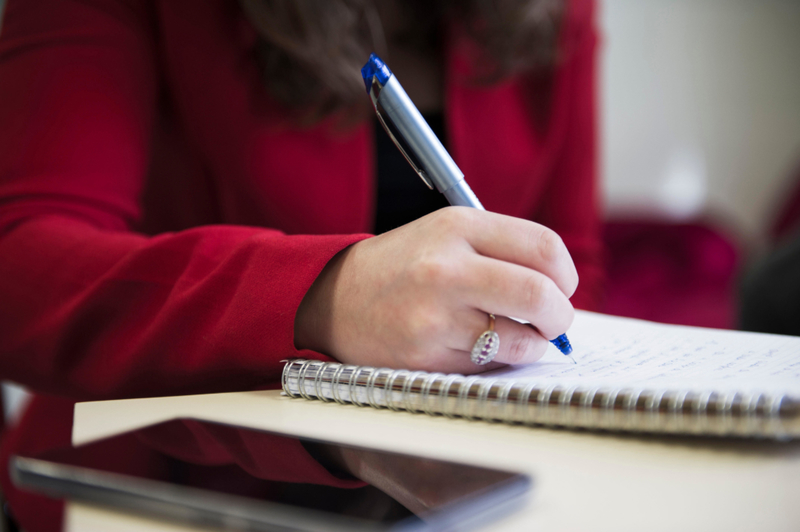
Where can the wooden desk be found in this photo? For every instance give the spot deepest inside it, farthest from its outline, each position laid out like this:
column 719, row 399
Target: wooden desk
column 583, row 481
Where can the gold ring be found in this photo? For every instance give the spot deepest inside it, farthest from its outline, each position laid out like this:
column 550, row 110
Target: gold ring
column 486, row 346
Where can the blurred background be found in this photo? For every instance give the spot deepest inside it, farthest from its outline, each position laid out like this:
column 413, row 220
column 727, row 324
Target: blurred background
column 701, row 108
column 700, row 133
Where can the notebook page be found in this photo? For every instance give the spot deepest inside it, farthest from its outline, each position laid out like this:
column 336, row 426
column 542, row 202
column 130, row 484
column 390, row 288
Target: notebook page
column 617, row 352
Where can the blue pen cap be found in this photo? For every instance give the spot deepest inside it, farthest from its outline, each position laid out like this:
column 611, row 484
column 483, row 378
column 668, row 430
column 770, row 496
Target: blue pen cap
column 375, row 67
column 562, row 343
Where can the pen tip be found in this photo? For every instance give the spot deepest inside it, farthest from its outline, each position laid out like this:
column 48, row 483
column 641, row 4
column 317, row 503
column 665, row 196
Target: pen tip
column 573, row 359
column 562, row 343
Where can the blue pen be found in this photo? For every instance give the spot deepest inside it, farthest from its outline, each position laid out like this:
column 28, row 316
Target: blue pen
column 433, row 164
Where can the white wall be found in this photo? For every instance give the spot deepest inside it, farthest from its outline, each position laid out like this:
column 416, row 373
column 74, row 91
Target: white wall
column 701, row 107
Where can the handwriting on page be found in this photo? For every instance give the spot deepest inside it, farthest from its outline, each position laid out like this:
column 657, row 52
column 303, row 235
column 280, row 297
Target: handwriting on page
column 620, row 351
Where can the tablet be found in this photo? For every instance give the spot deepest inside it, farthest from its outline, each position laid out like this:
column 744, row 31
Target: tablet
column 416, row 494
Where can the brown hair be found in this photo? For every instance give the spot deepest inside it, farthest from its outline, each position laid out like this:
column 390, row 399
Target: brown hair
column 311, row 51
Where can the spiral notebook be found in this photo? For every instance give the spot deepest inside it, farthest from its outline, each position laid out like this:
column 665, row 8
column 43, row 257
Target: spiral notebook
column 632, row 375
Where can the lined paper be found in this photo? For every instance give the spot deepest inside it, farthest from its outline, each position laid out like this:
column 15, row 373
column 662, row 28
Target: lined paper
column 625, row 352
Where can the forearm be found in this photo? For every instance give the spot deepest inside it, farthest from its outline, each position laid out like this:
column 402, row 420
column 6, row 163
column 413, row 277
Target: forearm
column 90, row 313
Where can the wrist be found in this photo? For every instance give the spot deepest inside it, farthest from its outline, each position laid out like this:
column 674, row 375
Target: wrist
column 313, row 320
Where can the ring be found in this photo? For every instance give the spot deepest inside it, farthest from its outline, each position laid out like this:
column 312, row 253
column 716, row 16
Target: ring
column 486, row 346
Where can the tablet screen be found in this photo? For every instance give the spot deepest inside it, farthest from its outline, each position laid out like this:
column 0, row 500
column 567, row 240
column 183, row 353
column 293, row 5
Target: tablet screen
column 233, row 478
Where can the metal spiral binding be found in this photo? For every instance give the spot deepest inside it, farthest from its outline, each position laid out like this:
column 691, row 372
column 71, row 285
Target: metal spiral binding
column 373, row 376
column 502, row 400
column 354, row 383
column 775, row 407
column 751, row 409
column 531, row 403
column 462, row 405
column 727, row 403
column 390, row 386
column 523, row 402
column 483, row 399
column 652, row 409
column 631, row 400
column 676, row 406
column 350, row 384
column 550, row 415
column 425, row 393
column 318, row 383
column 335, row 381
column 444, row 396
column 586, row 406
column 407, row 387
column 301, row 378
column 287, row 387
column 701, row 410
column 607, row 405
column 565, row 402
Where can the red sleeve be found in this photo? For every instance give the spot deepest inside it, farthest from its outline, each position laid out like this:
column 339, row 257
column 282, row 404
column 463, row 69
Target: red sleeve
column 570, row 204
column 91, row 310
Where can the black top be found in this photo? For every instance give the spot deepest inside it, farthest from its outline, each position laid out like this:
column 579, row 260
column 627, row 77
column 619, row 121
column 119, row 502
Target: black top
column 770, row 293
column 402, row 196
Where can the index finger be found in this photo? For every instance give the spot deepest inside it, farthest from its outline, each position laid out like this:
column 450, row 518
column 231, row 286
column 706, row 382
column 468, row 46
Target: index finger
column 524, row 243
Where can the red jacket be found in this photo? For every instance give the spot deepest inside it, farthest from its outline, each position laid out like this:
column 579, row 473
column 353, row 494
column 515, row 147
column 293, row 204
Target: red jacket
column 161, row 218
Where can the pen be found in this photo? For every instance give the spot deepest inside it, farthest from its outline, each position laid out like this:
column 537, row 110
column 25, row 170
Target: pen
column 430, row 159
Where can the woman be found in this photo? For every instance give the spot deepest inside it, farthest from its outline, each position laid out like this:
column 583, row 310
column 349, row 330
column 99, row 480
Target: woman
column 186, row 192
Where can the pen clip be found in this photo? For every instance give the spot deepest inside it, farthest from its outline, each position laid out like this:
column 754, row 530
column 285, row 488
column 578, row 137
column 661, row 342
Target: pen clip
column 373, row 95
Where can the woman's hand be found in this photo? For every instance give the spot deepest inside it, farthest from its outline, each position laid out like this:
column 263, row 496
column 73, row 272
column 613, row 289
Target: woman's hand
column 418, row 297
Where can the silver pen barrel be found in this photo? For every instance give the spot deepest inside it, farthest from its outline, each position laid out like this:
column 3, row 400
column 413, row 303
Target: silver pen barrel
column 426, row 147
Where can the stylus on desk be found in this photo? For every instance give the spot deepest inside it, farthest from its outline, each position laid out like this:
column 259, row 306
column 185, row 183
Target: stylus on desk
column 430, row 159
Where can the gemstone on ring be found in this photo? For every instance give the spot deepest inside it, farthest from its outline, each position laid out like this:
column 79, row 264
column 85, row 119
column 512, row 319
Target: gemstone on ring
column 486, row 347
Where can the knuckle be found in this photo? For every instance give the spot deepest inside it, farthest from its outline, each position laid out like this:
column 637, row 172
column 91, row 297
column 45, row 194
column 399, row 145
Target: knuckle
column 552, row 250
column 537, row 293
column 424, row 325
column 550, row 246
column 454, row 219
column 431, row 271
